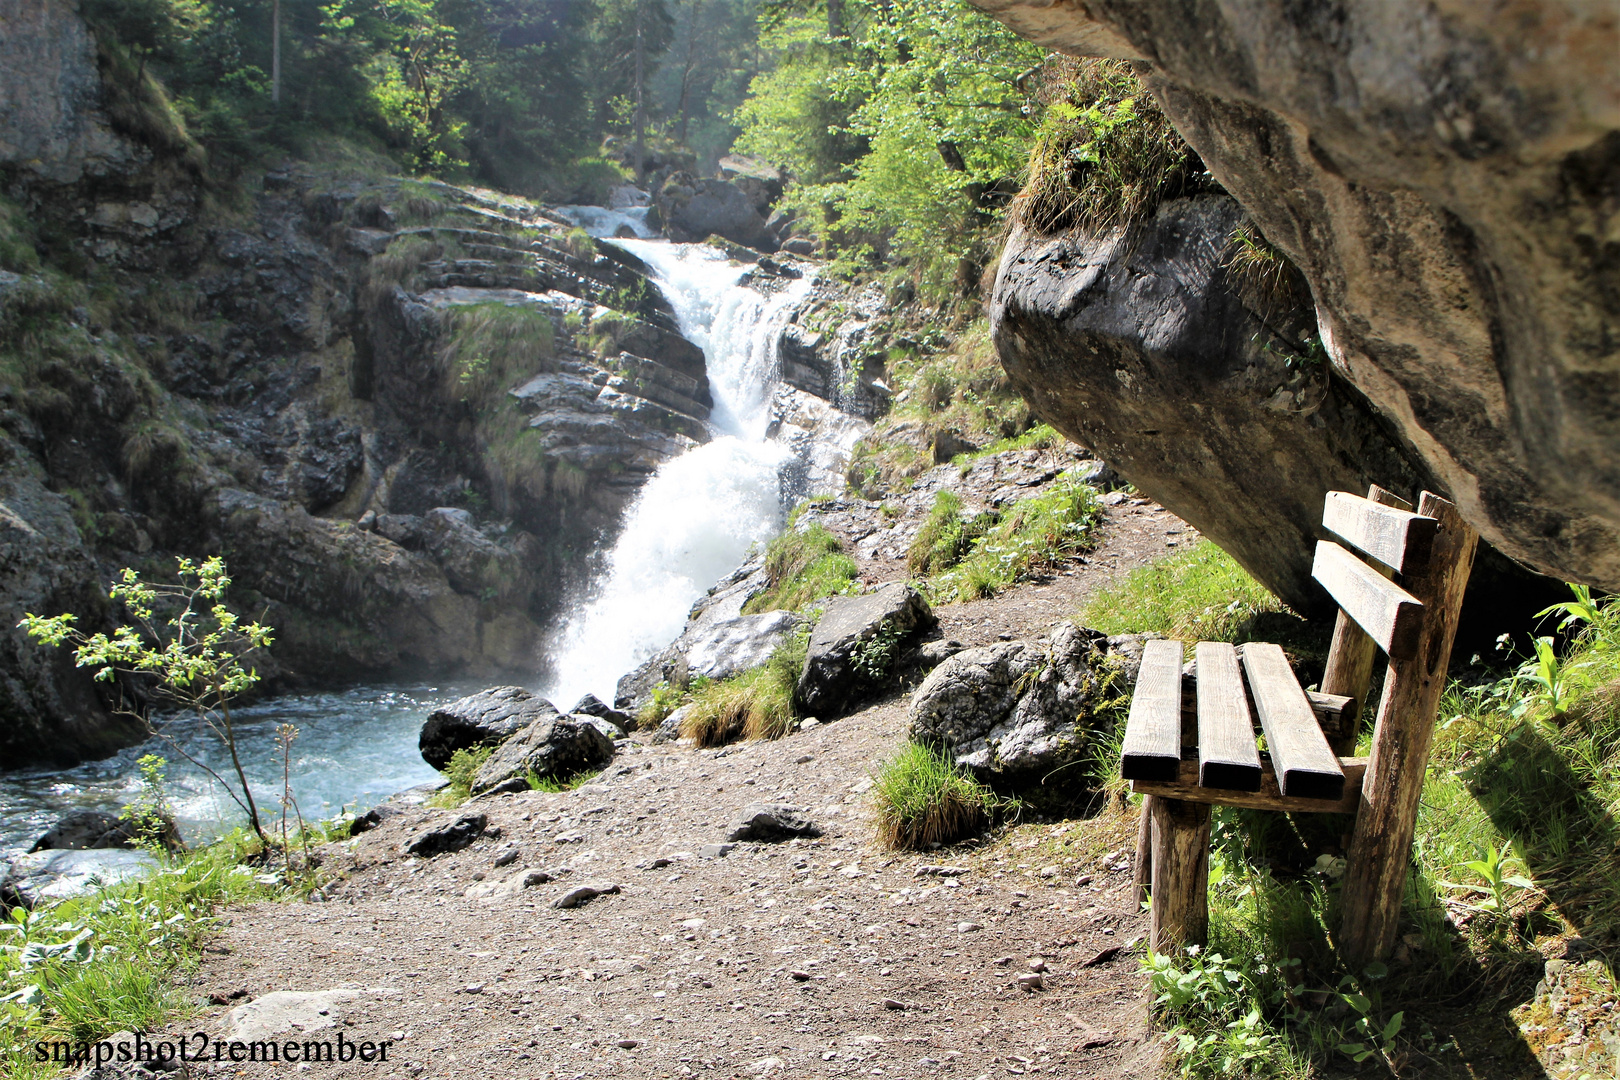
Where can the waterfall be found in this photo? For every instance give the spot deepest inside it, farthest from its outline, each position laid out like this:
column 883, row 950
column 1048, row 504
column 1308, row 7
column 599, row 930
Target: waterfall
column 697, row 516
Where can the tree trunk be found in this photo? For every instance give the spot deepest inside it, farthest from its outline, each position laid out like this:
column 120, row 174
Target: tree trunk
column 641, row 112
column 686, row 71
column 835, row 19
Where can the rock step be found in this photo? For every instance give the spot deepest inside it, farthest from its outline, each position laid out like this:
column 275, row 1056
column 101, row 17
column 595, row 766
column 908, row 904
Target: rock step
column 679, row 382
column 661, row 395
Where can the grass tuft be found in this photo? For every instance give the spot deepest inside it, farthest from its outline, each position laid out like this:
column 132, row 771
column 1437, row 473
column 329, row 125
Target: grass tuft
column 802, row 567
column 757, row 704
column 922, row 799
column 462, row 767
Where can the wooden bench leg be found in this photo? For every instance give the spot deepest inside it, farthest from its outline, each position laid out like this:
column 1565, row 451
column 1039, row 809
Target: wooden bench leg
column 1180, row 873
column 1143, row 866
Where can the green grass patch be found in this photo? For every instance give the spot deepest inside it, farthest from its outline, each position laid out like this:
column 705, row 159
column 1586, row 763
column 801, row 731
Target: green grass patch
column 945, row 537
column 1033, row 536
column 116, row 959
column 555, row 784
column 460, row 771
column 802, row 567
column 757, row 704
column 921, row 798
column 1200, row 594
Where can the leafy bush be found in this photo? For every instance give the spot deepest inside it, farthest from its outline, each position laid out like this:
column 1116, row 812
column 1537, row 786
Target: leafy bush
column 802, row 567
column 923, row 799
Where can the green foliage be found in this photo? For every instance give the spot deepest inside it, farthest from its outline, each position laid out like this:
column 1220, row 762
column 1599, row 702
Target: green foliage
column 149, row 814
column 905, row 135
column 663, row 700
column 1217, row 1030
column 17, row 252
column 184, row 645
column 757, row 704
column 945, row 537
column 1034, row 536
column 922, row 799
column 555, row 784
column 460, row 771
column 803, row 567
column 1200, row 594
column 1105, row 155
column 873, row 657
column 489, row 347
column 1265, row 279
column 114, row 960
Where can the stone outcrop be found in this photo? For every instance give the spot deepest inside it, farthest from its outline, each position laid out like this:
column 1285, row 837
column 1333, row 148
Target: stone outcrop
column 486, row 718
column 552, row 747
column 856, row 643
column 1018, row 710
column 1137, row 345
column 1445, row 178
column 51, row 875
column 693, row 209
column 85, row 830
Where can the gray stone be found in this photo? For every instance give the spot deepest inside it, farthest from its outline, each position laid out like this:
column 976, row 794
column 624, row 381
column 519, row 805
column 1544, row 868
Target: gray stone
column 1018, row 709
column 509, row 886
column 716, row 851
column 487, row 718
column 1444, row 178
column 555, row 747
column 441, row 839
column 591, row 705
column 694, row 210
column 580, row 895
column 732, row 646
column 51, row 875
column 283, row 1011
column 840, row 662
column 771, row 822
column 81, row 830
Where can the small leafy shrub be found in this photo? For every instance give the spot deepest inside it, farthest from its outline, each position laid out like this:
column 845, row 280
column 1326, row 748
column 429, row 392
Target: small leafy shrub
column 802, row 567
column 663, row 700
column 923, row 798
column 874, row 657
column 1218, row 1030
column 460, row 770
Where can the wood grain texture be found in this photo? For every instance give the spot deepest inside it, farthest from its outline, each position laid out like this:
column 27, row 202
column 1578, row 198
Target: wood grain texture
column 1143, row 866
column 1269, row 797
column 1391, row 616
column 1381, row 846
column 1351, row 657
column 1152, row 746
column 1180, row 914
column 1306, row 766
column 1227, row 754
column 1399, row 539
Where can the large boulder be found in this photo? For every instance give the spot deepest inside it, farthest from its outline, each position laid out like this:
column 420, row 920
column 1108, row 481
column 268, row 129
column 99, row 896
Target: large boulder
column 550, row 748
column 83, row 830
column 487, row 718
column 1445, row 178
column 694, row 210
column 1017, row 710
column 51, row 875
column 855, row 643
column 1136, row 344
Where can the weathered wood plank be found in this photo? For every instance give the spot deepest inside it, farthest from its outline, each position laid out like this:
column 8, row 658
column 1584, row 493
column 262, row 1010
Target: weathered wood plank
column 1330, row 709
column 1269, row 797
column 1180, row 912
column 1381, row 846
column 1399, row 539
column 1143, row 867
column 1306, row 766
column 1351, row 657
column 1227, row 755
column 1390, row 615
column 1152, row 746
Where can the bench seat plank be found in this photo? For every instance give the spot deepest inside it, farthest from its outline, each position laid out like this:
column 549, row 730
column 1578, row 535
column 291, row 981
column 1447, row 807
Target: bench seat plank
column 1399, row 539
column 1227, row 755
column 1269, row 797
column 1388, row 613
column 1305, row 765
column 1152, row 747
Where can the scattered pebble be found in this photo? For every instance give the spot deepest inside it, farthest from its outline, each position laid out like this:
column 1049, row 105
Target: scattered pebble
column 1031, row 981
column 967, row 927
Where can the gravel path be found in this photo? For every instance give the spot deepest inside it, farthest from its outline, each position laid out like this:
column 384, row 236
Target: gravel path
column 812, row 958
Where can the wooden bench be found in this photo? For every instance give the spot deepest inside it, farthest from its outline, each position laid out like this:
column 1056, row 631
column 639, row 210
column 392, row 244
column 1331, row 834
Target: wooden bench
column 1190, row 741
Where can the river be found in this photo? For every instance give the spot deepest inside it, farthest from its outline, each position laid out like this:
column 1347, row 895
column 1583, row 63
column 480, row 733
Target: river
column 693, row 522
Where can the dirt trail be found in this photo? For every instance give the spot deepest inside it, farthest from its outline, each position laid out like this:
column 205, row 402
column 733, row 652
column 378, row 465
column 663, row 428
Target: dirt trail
column 811, row 958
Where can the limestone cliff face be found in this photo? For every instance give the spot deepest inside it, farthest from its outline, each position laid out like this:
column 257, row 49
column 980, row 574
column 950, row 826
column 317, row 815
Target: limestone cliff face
column 1447, row 176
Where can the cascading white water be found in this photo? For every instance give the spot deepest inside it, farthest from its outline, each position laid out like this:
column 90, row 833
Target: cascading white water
column 696, row 518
